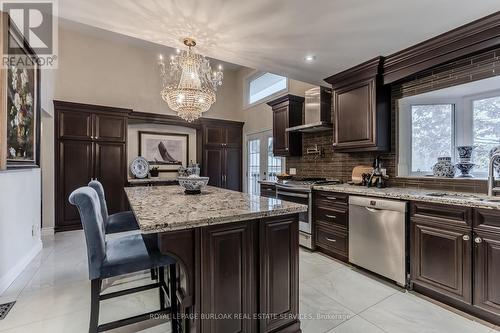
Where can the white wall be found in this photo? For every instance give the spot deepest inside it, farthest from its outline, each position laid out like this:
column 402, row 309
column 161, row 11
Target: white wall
column 259, row 117
column 133, row 142
column 20, row 195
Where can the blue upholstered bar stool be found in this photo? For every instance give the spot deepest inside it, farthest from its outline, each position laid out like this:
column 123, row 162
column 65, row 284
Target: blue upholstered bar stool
column 122, row 255
column 114, row 223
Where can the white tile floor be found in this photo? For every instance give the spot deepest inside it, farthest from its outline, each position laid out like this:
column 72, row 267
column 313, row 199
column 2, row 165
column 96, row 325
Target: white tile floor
column 53, row 295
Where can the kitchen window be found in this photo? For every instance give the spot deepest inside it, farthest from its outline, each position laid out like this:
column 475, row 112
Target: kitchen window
column 264, row 86
column 433, row 127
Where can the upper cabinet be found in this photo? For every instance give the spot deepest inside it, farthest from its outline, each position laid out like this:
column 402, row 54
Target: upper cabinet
column 287, row 112
column 361, row 109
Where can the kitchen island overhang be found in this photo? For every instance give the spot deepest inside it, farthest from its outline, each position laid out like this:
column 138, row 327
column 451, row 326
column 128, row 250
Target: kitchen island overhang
column 238, row 256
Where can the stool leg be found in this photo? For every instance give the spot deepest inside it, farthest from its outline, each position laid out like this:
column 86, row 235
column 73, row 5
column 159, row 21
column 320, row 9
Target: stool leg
column 173, row 297
column 154, row 275
column 161, row 281
column 95, row 291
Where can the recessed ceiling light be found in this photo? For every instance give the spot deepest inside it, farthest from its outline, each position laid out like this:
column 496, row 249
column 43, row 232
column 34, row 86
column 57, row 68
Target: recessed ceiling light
column 309, row 58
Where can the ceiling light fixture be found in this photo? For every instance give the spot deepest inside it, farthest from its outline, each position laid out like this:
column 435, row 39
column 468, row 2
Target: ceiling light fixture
column 309, row 58
column 188, row 82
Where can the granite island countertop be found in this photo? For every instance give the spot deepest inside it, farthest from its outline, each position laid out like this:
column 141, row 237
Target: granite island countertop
column 167, row 208
column 426, row 195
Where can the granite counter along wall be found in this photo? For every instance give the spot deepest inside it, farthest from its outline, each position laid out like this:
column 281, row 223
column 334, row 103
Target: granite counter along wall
column 340, row 165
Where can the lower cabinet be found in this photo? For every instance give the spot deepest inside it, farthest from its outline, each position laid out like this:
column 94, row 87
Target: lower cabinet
column 441, row 258
column 455, row 257
column 247, row 269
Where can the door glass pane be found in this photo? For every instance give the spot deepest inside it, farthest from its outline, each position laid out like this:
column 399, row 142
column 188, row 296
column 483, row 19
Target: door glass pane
column 431, row 135
column 274, row 164
column 253, row 166
column 486, row 131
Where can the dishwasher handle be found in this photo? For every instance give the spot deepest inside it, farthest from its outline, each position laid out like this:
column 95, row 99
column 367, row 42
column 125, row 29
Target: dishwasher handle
column 376, row 204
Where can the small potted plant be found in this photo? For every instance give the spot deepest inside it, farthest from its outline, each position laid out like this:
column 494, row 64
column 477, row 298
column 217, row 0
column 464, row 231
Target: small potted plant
column 154, row 172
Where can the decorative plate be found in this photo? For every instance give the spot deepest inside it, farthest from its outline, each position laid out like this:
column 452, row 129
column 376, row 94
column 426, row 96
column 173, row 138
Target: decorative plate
column 139, row 167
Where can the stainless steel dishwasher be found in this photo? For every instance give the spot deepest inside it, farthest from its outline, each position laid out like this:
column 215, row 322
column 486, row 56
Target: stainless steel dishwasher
column 377, row 236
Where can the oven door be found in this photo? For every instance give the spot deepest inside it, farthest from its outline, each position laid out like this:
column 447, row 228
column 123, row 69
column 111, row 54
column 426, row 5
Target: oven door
column 304, row 198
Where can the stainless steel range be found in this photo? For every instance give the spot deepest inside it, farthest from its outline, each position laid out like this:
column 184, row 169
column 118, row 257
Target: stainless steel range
column 299, row 190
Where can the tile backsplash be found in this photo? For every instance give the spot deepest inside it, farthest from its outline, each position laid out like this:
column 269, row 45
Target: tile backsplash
column 339, row 165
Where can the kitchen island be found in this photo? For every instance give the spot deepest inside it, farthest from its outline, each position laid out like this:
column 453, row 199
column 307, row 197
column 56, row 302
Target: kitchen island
column 237, row 254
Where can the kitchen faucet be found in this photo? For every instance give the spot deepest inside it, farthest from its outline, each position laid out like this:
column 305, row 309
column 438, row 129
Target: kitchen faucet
column 491, row 175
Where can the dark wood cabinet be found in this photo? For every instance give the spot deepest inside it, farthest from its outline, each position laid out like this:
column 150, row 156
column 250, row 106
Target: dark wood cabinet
column 279, row 271
column 110, row 170
column 222, row 154
column 90, row 143
column 287, row 112
column 75, row 167
column 441, row 250
column 229, row 283
column 331, row 224
column 361, row 109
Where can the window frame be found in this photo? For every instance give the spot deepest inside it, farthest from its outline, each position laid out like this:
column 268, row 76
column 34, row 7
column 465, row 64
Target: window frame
column 255, row 75
column 463, row 127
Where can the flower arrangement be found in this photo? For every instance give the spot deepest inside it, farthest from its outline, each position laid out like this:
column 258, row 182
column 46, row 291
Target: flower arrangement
column 21, row 117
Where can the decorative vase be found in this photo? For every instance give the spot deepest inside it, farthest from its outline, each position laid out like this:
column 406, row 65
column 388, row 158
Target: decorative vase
column 444, row 168
column 493, row 151
column 465, row 168
column 465, row 153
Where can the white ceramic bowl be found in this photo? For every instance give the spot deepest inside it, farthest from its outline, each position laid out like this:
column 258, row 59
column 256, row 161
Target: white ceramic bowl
column 193, row 183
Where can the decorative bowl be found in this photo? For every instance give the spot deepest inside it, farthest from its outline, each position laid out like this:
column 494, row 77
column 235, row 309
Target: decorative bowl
column 193, row 184
column 284, row 177
column 465, row 169
column 444, row 168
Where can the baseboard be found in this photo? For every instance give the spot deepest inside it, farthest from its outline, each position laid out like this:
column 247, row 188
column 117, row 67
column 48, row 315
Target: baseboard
column 48, row 231
column 14, row 272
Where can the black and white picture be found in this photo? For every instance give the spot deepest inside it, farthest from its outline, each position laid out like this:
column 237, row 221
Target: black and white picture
column 167, row 151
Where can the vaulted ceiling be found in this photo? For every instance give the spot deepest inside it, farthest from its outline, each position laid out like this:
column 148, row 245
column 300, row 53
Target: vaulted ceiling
column 276, row 35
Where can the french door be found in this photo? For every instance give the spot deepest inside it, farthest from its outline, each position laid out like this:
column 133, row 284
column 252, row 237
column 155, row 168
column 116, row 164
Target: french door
column 261, row 163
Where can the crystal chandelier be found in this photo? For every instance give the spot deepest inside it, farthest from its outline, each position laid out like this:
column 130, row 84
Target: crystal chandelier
column 188, row 82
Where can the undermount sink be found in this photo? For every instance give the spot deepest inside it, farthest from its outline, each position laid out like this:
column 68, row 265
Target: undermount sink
column 462, row 196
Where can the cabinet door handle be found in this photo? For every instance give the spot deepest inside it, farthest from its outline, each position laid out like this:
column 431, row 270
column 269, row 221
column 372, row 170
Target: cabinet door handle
column 331, row 198
column 465, row 237
column 331, row 216
column 331, row 239
column 478, row 240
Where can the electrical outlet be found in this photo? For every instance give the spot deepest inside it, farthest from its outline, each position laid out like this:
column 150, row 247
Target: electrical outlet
column 293, row 171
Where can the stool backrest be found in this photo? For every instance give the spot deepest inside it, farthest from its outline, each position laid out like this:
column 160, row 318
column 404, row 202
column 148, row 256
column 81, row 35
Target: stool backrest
column 97, row 186
column 87, row 202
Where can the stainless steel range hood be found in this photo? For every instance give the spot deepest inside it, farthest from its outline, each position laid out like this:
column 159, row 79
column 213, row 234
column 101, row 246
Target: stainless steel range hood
column 317, row 111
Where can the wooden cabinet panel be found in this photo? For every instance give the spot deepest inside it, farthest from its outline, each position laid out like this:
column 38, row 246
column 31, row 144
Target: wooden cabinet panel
column 229, row 282
column 334, row 240
column 213, row 166
column 232, row 173
column 214, row 135
column 287, row 112
column 279, row 272
column 280, row 137
column 355, row 113
column 487, row 272
column 233, row 136
column 327, row 199
column 333, row 216
column 448, row 214
column 75, row 170
column 110, row 128
column 110, row 170
column 441, row 259
column 361, row 109
column 75, row 125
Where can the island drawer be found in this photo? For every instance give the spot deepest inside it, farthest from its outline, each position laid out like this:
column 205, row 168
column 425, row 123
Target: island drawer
column 440, row 213
column 324, row 198
column 487, row 220
column 332, row 215
column 333, row 240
